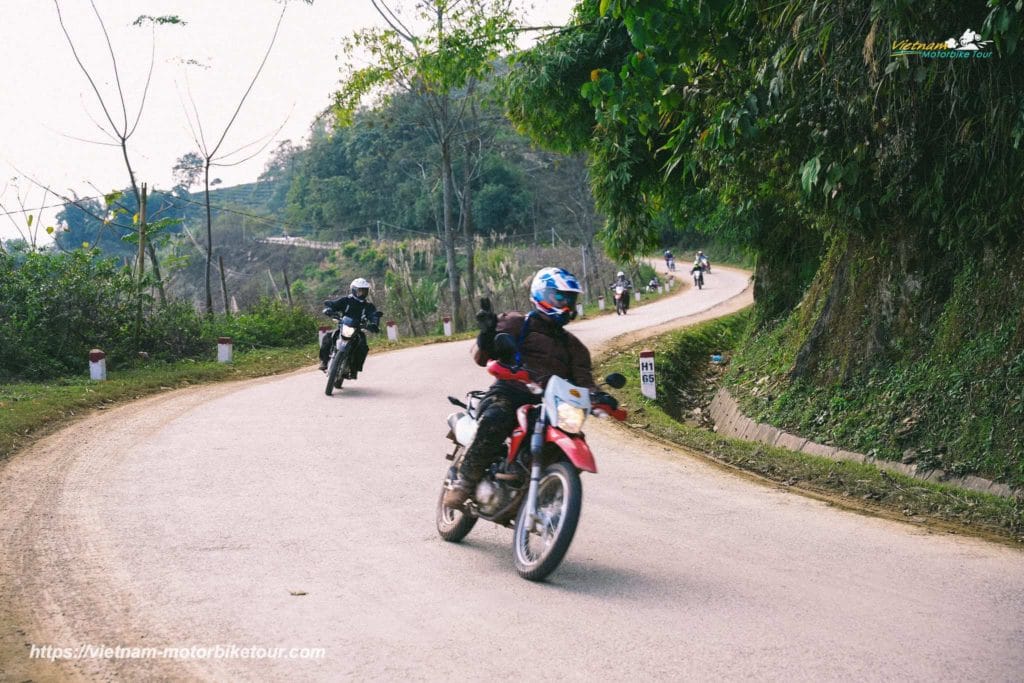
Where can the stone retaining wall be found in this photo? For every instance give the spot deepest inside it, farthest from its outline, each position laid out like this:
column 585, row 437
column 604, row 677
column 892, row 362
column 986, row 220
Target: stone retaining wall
column 729, row 421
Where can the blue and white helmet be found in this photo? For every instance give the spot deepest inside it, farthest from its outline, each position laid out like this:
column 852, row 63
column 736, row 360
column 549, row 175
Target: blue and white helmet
column 554, row 292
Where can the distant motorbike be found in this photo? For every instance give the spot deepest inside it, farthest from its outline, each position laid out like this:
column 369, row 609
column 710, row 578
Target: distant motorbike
column 698, row 276
column 670, row 263
column 621, row 299
column 536, row 489
column 705, row 264
column 349, row 333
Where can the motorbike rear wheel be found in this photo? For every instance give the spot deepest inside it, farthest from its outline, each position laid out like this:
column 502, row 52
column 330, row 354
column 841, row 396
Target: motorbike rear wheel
column 453, row 525
column 538, row 548
column 335, row 371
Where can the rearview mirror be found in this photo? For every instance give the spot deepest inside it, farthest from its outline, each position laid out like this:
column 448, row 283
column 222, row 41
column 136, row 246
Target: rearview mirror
column 615, row 380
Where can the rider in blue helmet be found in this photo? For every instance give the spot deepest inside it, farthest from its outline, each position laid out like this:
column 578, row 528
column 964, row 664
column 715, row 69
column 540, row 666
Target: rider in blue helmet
column 544, row 348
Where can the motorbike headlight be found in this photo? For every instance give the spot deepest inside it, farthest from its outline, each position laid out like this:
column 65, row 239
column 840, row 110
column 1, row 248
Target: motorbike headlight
column 570, row 418
column 347, row 331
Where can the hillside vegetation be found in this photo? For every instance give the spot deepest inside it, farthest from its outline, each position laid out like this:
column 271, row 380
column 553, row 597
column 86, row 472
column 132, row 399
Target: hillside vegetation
column 881, row 195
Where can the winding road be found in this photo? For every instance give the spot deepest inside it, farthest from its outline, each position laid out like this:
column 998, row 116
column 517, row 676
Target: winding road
column 265, row 514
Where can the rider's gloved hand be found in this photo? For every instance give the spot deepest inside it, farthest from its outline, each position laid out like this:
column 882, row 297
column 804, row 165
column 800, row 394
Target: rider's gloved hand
column 487, row 321
column 604, row 398
column 327, row 311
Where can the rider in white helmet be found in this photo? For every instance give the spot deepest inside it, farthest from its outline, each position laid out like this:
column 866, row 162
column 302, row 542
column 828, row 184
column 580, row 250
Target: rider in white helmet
column 354, row 306
column 544, row 348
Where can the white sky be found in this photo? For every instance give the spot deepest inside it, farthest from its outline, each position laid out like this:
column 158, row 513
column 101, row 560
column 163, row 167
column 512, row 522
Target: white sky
column 46, row 97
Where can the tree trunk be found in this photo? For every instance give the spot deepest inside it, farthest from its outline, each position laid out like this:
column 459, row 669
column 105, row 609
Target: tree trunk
column 156, row 272
column 449, row 234
column 209, row 238
column 141, row 265
column 224, row 287
column 468, row 227
column 287, row 287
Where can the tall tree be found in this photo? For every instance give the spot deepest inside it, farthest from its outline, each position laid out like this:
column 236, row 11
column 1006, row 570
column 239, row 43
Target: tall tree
column 446, row 45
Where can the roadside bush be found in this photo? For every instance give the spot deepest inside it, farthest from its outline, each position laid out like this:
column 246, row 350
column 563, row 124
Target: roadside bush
column 269, row 323
column 54, row 307
column 174, row 331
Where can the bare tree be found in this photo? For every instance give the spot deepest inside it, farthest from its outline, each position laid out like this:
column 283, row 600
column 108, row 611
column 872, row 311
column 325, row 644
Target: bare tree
column 119, row 126
column 210, row 152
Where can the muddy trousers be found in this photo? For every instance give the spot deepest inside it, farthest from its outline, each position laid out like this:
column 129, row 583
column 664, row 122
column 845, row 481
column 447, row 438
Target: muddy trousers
column 495, row 424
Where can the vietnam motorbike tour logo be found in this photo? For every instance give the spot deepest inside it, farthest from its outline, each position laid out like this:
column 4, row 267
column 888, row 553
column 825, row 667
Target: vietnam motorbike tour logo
column 967, row 46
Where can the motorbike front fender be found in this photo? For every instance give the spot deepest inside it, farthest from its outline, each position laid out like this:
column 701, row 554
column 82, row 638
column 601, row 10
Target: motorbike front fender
column 575, row 448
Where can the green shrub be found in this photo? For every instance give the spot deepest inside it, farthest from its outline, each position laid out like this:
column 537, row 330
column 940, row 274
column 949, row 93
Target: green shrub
column 54, row 307
column 268, row 324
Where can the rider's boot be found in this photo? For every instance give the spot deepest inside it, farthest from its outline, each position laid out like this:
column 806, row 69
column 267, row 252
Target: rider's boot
column 323, row 366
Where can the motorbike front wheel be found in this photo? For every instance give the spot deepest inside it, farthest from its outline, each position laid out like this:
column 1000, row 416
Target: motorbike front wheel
column 539, row 545
column 453, row 525
column 334, row 372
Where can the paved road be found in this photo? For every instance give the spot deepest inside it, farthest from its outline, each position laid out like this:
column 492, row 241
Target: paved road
column 194, row 518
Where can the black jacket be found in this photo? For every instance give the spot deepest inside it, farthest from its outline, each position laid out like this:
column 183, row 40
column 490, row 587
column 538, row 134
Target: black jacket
column 355, row 309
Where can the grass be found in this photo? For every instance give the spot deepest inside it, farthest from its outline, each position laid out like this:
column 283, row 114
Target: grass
column 684, row 354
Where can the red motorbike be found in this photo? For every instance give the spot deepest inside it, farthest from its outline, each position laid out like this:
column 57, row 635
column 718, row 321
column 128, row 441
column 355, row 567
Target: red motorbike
column 536, row 488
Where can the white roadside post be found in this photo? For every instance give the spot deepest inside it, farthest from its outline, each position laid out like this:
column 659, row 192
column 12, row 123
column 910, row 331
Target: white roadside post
column 97, row 365
column 660, row 290
column 392, row 331
column 600, row 303
column 323, row 332
column 447, row 326
column 579, row 310
column 637, row 295
column 224, row 349
column 647, row 383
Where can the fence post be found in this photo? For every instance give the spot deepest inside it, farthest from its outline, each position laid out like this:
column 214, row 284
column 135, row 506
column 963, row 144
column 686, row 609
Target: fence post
column 392, row 331
column 637, row 294
column 323, row 332
column 579, row 310
column 447, row 326
column 97, row 365
column 661, row 290
column 647, row 383
column 600, row 303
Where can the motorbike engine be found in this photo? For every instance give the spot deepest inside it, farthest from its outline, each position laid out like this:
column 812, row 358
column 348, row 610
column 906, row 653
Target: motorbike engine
column 491, row 496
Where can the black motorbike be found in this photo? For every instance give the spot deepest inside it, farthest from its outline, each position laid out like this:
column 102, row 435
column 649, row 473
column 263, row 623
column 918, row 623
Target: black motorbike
column 349, row 333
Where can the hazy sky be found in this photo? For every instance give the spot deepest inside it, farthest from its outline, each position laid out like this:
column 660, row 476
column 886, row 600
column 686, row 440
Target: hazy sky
column 47, row 101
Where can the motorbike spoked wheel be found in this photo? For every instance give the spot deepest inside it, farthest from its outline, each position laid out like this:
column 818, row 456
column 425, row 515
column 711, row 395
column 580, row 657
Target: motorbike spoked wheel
column 453, row 524
column 539, row 547
column 334, row 372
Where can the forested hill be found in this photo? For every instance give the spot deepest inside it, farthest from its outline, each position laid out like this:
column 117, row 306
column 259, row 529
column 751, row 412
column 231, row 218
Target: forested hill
column 880, row 188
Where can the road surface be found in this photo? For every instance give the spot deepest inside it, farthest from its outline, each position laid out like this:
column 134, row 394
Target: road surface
column 264, row 514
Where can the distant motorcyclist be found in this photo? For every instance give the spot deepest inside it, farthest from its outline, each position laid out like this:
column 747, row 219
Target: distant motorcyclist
column 544, row 348
column 622, row 302
column 705, row 263
column 353, row 306
column 653, row 285
column 697, row 271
